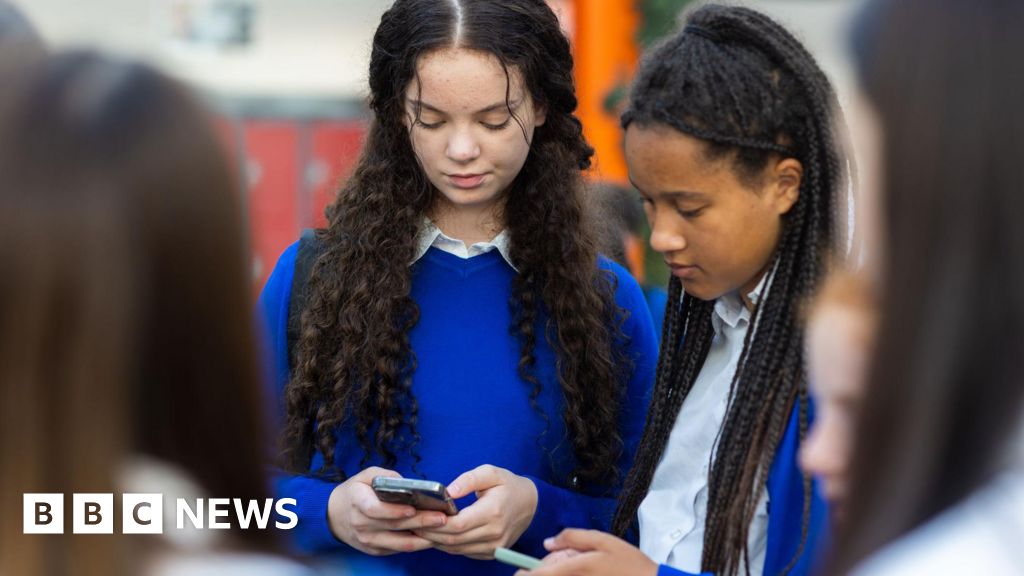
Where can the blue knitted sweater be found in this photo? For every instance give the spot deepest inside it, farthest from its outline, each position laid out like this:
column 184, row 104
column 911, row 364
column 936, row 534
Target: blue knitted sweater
column 473, row 407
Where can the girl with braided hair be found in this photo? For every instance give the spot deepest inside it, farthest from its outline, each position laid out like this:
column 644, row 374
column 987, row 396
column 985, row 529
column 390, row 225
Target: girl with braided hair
column 454, row 322
column 733, row 142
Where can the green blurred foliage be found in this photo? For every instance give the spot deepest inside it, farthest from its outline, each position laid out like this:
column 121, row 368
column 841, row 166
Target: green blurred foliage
column 657, row 18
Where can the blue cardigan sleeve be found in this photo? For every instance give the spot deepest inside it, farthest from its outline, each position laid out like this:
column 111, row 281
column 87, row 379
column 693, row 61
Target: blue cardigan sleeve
column 785, row 553
column 559, row 508
column 312, row 533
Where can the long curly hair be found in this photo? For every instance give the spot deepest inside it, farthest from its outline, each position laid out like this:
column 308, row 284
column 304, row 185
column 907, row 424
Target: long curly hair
column 353, row 361
column 745, row 86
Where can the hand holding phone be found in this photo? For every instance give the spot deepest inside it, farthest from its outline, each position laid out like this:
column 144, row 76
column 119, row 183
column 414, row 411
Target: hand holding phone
column 357, row 517
column 420, row 494
column 505, row 505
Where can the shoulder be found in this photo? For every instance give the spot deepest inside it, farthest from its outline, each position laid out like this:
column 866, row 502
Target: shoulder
column 297, row 258
column 976, row 536
column 287, row 258
column 280, row 281
column 639, row 325
column 628, row 293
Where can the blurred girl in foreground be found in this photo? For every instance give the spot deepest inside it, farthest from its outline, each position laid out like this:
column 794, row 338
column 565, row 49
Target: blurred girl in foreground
column 938, row 464
column 126, row 348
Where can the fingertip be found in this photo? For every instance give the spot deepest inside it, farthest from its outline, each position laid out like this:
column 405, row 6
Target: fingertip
column 550, row 543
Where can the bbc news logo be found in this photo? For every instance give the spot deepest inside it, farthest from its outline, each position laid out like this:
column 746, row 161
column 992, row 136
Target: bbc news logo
column 144, row 513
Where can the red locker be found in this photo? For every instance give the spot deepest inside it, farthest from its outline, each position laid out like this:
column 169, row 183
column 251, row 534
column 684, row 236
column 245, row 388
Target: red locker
column 334, row 149
column 271, row 168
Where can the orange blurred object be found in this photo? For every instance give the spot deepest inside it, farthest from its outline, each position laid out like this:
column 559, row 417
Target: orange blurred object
column 606, row 56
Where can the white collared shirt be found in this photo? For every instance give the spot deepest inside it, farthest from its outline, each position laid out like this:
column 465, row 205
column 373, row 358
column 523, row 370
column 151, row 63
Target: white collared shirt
column 432, row 236
column 673, row 514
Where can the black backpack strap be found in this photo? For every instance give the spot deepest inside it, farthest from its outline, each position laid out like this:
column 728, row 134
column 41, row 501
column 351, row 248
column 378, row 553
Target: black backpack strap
column 308, row 251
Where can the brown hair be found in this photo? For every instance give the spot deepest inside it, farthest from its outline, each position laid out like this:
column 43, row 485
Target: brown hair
column 354, row 362
column 945, row 392
column 125, row 320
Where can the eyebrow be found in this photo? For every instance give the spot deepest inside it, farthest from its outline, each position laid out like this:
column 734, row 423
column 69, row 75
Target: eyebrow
column 512, row 104
column 676, row 194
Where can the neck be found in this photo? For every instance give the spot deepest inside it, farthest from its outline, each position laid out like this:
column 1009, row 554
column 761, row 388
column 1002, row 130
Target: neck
column 468, row 223
column 749, row 287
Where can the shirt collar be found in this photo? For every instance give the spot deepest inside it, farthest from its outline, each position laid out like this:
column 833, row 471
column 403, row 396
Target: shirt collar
column 430, row 235
column 729, row 308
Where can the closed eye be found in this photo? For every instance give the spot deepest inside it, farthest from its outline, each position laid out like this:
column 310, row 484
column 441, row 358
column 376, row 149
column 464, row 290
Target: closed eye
column 691, row 213
column 497, row 127
column 430, row 126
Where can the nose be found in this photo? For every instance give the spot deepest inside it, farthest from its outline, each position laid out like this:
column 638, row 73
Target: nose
column 462, row 147
column 821, row 454
column 665, row 238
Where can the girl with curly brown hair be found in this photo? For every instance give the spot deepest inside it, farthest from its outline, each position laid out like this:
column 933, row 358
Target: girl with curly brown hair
column 454, row 322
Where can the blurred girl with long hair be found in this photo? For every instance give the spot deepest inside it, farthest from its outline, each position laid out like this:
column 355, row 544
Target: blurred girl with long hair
column 127, row 360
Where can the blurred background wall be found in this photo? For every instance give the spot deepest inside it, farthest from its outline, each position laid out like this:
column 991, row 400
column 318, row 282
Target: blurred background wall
column 287, row 79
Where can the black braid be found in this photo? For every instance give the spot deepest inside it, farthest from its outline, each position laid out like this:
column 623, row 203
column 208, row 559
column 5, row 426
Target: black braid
column 738, row 81
column 687, row 319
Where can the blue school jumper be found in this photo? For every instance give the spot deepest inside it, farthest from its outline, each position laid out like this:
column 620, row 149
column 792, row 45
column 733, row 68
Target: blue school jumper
column 473, row 407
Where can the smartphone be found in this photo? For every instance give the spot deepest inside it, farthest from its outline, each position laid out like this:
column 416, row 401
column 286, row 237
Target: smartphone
column 420, row 494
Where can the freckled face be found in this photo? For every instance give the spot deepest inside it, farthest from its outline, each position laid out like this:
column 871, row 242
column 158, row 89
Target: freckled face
column 463, row 128
column 716, row 232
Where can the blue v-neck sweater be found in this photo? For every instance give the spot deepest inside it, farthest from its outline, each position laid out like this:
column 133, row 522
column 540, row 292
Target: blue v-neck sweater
column 473, row 407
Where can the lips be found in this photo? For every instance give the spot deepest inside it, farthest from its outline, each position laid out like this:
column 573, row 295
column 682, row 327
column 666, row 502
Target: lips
column 683, row 271
column 466, row 181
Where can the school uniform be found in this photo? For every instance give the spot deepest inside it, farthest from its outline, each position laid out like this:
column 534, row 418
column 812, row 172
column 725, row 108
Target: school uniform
column 673, row 515
column 473, row 407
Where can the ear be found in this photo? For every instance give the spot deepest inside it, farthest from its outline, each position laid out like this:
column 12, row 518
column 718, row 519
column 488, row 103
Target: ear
column 540, row 115
column 784, row 184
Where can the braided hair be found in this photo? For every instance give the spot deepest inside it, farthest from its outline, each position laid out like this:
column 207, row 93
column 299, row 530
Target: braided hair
column 742, row 84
